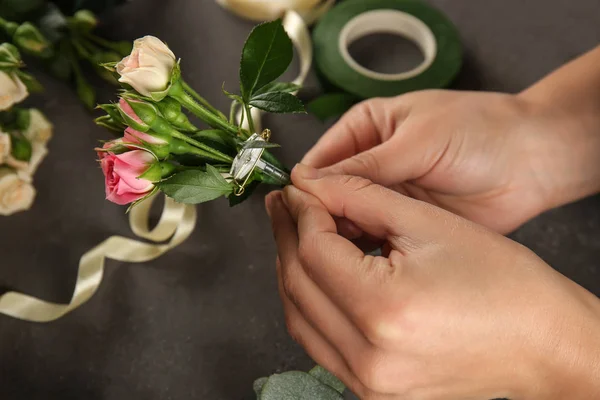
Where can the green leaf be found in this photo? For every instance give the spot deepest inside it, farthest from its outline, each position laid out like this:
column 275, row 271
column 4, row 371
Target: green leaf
column 32, row 84
column 85, row 91
column 295, row 385
column 266, row 56
column 331, row 105
column 278, row 102
column 195, row 186
column 279, row 87
column 21, row 148
column 327, row 378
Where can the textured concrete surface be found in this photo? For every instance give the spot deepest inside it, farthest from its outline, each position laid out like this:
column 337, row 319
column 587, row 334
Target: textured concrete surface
column 204, row 321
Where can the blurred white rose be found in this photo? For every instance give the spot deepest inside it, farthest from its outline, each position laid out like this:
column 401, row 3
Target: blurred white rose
column 40, row 129
column 149, row 66
column 15, row 193
column 4, row 147
column 12, row 90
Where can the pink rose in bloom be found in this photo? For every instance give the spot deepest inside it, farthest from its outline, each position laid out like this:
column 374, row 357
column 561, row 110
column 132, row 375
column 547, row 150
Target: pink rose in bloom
column 137, row 137
column 122, row 171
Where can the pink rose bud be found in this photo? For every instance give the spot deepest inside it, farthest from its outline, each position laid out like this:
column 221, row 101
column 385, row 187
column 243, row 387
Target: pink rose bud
column 137, row 137
column 122, row 175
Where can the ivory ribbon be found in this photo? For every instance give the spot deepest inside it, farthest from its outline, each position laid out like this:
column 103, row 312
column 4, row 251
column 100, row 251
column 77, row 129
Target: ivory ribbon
column 177, row 223
column 296, row 28
column 267, row 10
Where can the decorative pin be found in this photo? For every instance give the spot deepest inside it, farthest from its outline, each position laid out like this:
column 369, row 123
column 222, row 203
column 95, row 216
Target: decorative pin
column 249, row 158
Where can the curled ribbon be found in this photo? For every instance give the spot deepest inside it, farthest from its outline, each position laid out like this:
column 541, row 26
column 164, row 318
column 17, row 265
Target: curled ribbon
column 267, row 10
column 295, row 26
column 177, row 223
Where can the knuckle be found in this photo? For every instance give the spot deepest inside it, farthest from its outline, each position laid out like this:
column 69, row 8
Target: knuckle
column 289, row 286
column 373, row 374
column 356, row 183
column 368, row 163
column 292, row 328
column 306, row 249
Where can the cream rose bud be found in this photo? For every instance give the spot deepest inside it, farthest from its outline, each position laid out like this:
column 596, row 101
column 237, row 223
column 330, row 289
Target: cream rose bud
column 39, row 129
column 12, row 90
column 149, row 67
column 4, row 147
column 15, row 193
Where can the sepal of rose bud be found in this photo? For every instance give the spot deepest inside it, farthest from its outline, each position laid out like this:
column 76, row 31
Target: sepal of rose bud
column 31, row 40
column 21, row 149
column 106, row 121
column 147, row 113
column 171, row 110
column 158, row 144
column 130, row 118
column 158, row 171
column 10, row 56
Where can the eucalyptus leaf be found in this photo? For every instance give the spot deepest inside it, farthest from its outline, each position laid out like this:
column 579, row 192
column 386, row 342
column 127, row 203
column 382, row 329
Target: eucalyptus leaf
column 267, row 54
column 287, row 87
column 327, row 378
column 196, row 186
column 259, row 384
column 295, row 385
column 278, row 102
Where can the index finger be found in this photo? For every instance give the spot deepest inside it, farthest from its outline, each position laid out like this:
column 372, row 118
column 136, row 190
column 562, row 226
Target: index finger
column 351, row 279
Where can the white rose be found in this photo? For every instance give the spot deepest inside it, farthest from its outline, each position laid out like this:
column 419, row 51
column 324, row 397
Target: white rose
column 4, row 147
column 39, row 129
column 15, row 193
column 26, row 169
column 266, row 10
column 12, row 90
column 148, row 69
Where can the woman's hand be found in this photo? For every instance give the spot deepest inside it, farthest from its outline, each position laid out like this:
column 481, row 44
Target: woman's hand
column 450, row 311
column 495, row 159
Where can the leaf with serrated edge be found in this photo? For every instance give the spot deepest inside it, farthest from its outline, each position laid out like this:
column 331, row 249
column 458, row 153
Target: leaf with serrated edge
column 267, row 54
column 195, row 186
column 279, row 87
column 278, row 102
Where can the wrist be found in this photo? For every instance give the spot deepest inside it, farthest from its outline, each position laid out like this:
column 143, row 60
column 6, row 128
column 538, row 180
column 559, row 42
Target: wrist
column 570, row 366
column 564, row 149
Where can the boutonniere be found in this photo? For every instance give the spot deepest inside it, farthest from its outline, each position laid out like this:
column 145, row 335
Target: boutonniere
column 163, row 150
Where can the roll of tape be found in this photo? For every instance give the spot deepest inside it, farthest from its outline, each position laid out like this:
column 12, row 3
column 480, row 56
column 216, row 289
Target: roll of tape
column 351, row 20
column 267, row 10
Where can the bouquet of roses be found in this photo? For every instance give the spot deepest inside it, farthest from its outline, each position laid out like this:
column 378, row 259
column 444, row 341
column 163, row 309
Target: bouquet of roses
column 162, row 150
column 24, row 134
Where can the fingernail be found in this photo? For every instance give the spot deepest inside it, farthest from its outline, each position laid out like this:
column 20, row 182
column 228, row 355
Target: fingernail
column 306, row 172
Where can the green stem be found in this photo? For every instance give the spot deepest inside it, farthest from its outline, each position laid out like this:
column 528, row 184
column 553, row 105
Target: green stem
column 249, row 117
column 199, row 111
column 212, row 153
column 202, row 100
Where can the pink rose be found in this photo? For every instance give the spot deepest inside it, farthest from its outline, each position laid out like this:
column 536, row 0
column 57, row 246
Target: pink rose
column 122, row 171
column 137, row 137
column 124, row 105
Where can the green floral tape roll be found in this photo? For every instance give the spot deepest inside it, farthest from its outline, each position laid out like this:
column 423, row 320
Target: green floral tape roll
column 351, row 20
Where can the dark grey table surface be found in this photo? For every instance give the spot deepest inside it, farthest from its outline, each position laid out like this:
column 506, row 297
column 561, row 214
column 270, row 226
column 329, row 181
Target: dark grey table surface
column 204, row 321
